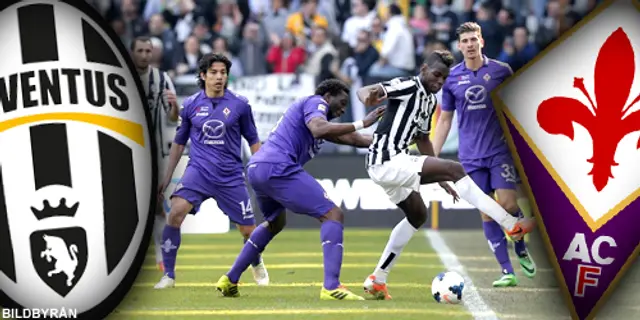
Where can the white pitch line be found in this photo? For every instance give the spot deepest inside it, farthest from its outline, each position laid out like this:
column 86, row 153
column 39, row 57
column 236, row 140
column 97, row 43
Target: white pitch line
column 472, row 299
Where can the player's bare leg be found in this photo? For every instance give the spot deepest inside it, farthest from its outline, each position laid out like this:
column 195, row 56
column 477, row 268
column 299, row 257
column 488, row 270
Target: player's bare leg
column 171, row 238
column 440, row 170
column 158, row 228
column 260, row 274
column 416, row 215
column 253, row 248
column 332, row 235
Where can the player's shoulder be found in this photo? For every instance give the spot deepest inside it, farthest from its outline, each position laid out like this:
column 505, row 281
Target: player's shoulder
column 454, row 73
column 457, row 69
column 192, row 99
column 500, row 66
column 315, row 101
column 234, row 96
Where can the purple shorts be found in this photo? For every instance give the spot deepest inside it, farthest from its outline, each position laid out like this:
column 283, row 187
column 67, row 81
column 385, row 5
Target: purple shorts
column 233, row 201
column 492, row 173
column 280, row 186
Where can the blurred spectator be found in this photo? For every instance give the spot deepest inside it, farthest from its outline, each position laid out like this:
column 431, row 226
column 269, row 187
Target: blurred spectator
column 362, row 18
column 185, row 20
column 301, row 23
column 285, row 56
column 492, row 33
column 343, row 11
column 134, row 25
column 397, row 54
column 221, row 45
column 319, row 62
column 275, row 20
column 506, row 20
column 203, row 33
column 252, row 53
column 229, row 18
column 420, row 26
column 191, row 54
column 170, row 46
column 377, row 33
column 365, row 54
column 518, row 50
column 444, row 21
column 549, row 29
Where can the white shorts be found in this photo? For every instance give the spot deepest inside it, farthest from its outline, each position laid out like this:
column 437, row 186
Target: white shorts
column 398, row 176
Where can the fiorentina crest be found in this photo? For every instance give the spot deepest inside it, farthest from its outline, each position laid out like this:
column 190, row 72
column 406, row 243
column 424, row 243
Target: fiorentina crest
column 77, row 166
column 573, row 119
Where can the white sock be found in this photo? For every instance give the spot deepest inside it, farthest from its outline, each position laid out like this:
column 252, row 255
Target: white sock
column 469, row 191
column 398, row 239
column 158, row 229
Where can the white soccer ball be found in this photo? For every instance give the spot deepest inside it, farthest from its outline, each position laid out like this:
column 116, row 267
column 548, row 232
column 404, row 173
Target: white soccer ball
column 447, row 287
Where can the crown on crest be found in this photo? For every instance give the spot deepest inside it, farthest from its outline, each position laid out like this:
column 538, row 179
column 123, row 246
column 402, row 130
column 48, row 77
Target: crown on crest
column 60, row 211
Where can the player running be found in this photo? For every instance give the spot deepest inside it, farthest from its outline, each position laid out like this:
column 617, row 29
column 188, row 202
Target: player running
column 411, row 103
column 214, row 119
column 276, row 174
column 483, row 151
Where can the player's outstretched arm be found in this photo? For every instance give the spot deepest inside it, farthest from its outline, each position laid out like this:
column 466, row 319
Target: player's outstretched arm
column 323, row 129
column 174, row 157
column 443, row 126
column 371, row 95
column 355, row 139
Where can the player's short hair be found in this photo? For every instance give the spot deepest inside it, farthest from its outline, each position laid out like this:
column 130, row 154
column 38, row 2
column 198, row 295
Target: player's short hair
column 332, row 86
column 205, row 63
column 440, row 56
column 468, row 27
column 135, row 41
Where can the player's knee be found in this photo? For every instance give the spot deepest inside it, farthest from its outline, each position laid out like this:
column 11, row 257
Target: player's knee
column 246, row 231
column 334, row 214
column 456, row 171
column 418, row 218
column 511, row 205
column 485, row 217
column 179, row 210
column 277, row 224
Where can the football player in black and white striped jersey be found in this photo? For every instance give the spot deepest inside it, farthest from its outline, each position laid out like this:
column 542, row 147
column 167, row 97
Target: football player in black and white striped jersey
column 161, row 96
column 411, row 103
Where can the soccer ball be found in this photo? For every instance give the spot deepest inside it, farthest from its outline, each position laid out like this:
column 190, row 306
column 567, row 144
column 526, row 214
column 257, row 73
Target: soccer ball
column 447, row 287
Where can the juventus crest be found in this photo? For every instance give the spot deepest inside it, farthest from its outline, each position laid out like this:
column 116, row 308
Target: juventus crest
column 77, row 167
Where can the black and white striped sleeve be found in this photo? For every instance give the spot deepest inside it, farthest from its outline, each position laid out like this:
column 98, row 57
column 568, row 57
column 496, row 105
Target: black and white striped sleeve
column 399, row 88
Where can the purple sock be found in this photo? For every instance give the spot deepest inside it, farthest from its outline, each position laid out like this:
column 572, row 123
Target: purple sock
column 331, row 235
column 258, row 240
column 258, row 259
column 498, row 244
column 170, row 244
column 520, row 246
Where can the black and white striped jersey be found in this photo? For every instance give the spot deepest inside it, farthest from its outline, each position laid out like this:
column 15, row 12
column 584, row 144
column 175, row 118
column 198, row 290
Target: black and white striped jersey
column 409, row 111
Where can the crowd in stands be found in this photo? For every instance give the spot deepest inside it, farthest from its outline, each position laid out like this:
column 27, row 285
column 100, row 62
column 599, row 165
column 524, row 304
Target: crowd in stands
column 357, row 41
column 347, row 39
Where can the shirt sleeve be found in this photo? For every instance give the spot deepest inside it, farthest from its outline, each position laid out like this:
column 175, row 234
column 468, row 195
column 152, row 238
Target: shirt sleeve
column 184, row 126
column 248, row 126
column 448, row 101
column 400, row 89
column 315, row 108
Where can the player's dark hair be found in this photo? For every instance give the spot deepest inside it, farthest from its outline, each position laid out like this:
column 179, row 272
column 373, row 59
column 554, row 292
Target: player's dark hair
column 440, row 56
column 205, row 63
column 332, row 86
column 468, row 27
column 135, row 41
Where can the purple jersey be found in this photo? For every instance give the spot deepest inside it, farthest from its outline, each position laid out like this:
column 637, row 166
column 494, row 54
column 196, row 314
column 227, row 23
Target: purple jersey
column 290, row 141
column 468, row 93
column 215, row 127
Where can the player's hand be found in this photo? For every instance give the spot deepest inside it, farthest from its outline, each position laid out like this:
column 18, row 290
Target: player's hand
column 171, row 97
column 373, row 116
column 161, row 188
column 445, row 185
column 373, row 99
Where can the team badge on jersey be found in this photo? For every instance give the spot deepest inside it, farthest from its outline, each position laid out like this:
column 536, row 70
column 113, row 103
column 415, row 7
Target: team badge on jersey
column 575, row 129
column 77, row 171
column 226, row 112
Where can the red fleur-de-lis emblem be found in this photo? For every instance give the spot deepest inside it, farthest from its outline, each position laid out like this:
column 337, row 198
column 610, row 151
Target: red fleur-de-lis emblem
column 605, row 121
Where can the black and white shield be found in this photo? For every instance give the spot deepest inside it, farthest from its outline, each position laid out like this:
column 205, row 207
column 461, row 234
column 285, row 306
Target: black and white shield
column 60, row 257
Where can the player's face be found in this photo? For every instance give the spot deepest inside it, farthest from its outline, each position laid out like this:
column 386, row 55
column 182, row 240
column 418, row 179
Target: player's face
column 470, row 44
column 142, row 54
column 433, row 77
column 338, row 104
column 216, row 77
